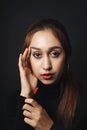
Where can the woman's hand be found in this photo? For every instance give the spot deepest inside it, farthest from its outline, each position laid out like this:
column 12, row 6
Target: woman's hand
column 36, row 116
column 28, row 80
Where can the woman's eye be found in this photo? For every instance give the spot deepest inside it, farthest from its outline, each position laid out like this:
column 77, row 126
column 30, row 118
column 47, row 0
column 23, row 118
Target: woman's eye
column 55, row 54
column 37, row 55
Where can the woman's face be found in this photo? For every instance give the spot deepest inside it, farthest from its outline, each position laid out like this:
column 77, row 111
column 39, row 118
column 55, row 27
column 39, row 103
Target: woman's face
column 47, row 56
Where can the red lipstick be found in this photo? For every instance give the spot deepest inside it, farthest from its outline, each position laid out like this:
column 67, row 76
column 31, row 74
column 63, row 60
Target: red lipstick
column 47, row 76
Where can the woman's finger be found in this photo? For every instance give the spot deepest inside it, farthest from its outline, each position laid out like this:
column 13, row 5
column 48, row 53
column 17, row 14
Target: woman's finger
column 24, row 57
column 20, row 64
column 29, row 121
column 25, row 53
column 32, row 102
column 28, row 58
column 27, row 107
column 28, row 55
column 27, row 114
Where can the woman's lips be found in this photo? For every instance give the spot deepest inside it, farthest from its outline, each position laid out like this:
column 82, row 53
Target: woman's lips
column 47, row 76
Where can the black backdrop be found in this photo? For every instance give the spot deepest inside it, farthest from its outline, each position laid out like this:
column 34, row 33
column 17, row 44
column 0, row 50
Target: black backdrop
column 16, row 16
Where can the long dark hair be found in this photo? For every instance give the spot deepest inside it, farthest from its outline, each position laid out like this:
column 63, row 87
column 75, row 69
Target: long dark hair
column 70, row 86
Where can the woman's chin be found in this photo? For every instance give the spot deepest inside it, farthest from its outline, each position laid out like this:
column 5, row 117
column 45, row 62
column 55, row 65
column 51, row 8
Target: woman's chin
column 47, row 82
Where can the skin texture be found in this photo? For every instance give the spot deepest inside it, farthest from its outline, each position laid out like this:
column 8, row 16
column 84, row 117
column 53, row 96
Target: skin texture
column 47, row 59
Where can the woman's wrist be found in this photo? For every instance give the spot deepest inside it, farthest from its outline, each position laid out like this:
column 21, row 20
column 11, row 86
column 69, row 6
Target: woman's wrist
column 25, row 94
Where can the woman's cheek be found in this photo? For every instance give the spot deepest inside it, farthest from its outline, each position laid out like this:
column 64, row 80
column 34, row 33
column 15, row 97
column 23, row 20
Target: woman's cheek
column 58, row 66
column 35, row 64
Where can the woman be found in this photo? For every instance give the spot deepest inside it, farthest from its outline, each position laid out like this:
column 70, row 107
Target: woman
column 45, row 63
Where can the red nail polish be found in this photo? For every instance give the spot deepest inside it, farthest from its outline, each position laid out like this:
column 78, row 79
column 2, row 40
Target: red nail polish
column 36, row 90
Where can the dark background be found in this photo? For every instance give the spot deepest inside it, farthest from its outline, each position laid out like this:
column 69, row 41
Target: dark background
column 16, row 16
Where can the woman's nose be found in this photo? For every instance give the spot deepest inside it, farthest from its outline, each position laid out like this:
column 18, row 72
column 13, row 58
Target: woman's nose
column 47, row 64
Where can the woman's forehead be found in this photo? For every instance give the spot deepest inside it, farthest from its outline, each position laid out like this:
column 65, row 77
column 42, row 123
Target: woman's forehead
column 45, row 38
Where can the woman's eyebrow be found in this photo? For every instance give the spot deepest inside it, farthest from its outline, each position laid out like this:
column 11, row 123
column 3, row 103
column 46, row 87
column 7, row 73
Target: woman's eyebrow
column 35, row 48
column 50, row 48
column 55, row 47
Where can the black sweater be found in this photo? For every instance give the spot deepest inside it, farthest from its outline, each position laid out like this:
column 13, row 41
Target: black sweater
column 48, row 97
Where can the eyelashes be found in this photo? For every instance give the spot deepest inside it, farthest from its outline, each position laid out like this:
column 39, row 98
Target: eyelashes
column 37, row 55
column 53, row 54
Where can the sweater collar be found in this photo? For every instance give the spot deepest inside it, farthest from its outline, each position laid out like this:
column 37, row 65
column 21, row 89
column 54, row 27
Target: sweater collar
column 50, row 91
